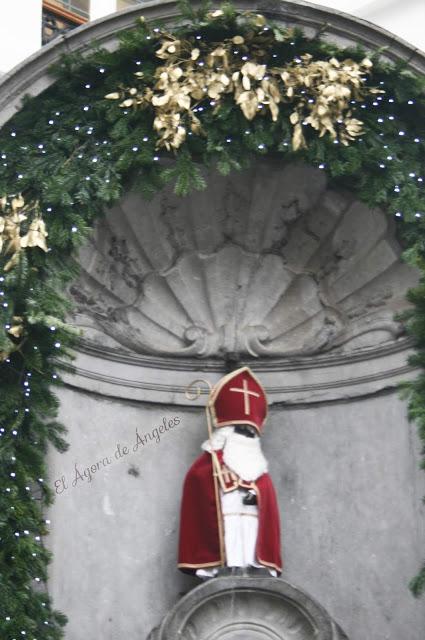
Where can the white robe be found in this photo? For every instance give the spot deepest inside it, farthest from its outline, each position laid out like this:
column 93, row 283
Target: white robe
column 243, row 456
column 240, row 529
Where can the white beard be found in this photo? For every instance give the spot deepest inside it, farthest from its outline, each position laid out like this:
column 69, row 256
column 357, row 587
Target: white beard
column 217, row 440
column 242, row 455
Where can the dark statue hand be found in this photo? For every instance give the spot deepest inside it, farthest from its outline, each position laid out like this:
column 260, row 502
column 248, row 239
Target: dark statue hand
column 250, row 499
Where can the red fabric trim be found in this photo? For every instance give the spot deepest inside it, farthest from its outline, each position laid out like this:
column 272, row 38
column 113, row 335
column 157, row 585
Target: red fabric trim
column 199, row 544
column 268, row 539
column 199, row 537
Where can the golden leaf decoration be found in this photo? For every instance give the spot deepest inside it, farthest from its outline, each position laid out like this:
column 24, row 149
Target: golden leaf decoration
column 319, row 91
column 169, row 47
column 2, row 227
column 248, row 102
column 17, row 203
column 12, row 262
column 127, row 103
column 215, row 14
column 17, row 329
column 298, row 140
column 11, row 240
column 36, row 236
column 294, row 117
column 259, row 20
column 160, row 101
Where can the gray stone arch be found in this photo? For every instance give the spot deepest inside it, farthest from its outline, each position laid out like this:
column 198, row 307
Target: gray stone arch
column 336, row 425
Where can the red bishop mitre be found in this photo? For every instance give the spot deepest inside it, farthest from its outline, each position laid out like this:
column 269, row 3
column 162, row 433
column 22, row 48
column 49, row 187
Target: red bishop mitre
column 238, row 398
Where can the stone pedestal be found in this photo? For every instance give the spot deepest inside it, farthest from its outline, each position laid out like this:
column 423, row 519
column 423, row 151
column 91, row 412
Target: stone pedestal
column 247, row 606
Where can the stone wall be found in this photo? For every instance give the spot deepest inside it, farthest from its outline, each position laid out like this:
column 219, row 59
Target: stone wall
column 276, row 269
column 349, row 490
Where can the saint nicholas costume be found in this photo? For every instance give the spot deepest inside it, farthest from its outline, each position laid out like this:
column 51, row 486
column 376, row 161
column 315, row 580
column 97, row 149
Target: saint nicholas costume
column 218, row 525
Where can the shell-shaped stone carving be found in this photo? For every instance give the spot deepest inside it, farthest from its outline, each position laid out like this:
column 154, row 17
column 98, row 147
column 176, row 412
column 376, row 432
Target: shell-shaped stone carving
column 267, row 262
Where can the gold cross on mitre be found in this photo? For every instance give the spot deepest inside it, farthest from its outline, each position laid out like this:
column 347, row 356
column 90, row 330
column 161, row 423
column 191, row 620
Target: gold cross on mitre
column 246, row 394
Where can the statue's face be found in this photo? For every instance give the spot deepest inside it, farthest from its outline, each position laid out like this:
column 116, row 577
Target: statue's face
column 246, row 430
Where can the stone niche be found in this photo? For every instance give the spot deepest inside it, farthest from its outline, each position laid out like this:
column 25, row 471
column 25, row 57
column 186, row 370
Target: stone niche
column 276, row 269
column 266, row 263
column 269, row 266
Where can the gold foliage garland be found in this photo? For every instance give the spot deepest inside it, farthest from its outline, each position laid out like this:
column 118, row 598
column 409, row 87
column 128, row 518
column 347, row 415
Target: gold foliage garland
column 320, row 91
column 13, row 213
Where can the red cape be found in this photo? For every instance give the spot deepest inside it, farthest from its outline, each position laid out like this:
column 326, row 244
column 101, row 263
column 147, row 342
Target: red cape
column 201, row 525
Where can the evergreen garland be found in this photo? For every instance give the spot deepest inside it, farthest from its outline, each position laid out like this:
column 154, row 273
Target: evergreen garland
column 75, row 153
